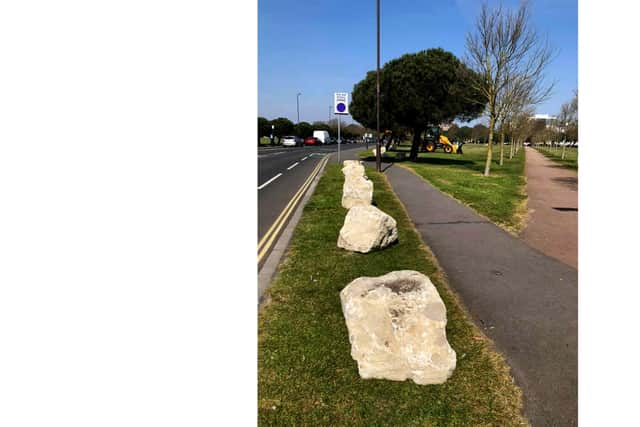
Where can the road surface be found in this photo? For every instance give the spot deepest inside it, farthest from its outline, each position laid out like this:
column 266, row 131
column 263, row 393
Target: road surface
column 283, row 175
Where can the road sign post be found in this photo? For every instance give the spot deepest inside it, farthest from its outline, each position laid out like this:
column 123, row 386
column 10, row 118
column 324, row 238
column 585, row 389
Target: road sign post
column 339, row 141
column 340, row 107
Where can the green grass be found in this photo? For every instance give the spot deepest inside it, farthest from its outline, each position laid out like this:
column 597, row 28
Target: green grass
column 570, row 156
column 266, row 141
column 500, row 197
column 306, row 375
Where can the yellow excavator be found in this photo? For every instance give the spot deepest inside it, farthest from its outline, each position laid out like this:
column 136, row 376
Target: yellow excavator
column 433, row 139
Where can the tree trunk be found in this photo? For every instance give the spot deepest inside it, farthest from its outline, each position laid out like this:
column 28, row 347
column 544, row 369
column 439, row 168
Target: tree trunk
column 487, row 165
column 501, row 147
column 563, row 148
column 415, row 145
column 511, row 147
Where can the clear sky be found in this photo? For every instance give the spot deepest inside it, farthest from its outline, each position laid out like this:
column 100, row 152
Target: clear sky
column 322, row 47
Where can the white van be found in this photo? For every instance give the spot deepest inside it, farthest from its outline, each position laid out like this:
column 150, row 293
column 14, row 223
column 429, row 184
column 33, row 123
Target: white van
column 322, row 135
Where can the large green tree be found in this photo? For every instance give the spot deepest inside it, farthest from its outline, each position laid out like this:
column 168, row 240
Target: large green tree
column 282, row 127
column 354, row 129
column 363, row 104
column 319, row 125
column 417, row 90
column 264, row 128
column 463, row 133
column 303, row 129
column 480, row 133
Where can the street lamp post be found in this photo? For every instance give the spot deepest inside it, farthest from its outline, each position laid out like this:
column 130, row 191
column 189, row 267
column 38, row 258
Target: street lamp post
column 378, row 87
column 298, row 105
column 271, row 136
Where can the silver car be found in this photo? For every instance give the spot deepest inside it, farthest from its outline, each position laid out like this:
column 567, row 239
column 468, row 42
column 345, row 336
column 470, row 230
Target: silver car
column 291, row 141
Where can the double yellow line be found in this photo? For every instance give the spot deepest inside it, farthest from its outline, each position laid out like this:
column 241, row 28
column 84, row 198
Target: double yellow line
column 269, row 237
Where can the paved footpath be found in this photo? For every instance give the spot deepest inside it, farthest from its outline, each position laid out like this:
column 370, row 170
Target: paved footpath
column 552, row 226
column 525, row 301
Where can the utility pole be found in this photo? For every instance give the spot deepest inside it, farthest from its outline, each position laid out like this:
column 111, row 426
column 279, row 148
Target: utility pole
column 378, row 168
column 298, row 105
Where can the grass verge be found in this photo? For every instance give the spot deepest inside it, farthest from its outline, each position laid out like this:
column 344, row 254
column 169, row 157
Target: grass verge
column 266, row 141
column 570, row 156
column 306, row 375
column 500, row 197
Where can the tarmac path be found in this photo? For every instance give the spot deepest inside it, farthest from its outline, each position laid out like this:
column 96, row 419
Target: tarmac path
column 524, row 300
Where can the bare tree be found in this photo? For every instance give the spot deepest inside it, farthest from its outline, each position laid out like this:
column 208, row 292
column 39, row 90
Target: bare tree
column 568, row 120
column 509, row 57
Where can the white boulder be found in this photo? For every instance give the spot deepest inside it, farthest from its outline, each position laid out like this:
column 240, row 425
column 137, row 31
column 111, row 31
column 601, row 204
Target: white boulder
column 351, row 163
column 356, row 191
column 366, row 228
column 396, row 326
column 353, row 168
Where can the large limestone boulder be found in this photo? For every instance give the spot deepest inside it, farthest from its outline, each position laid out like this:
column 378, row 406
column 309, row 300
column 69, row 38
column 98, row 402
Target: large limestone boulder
column 351, row 163
column 366, row 228
column 353, row 168
column 396, row 328
column 356, row 191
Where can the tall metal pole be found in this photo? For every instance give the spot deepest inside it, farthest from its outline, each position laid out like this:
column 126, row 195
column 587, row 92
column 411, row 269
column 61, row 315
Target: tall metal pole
column 298, row 105
column 338, row 139
column 378, row 168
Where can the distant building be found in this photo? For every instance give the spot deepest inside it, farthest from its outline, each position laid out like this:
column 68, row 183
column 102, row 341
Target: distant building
column 549, row 121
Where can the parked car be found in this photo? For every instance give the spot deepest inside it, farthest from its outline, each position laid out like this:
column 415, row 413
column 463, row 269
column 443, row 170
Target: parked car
column 311, row 140
column 291, row 141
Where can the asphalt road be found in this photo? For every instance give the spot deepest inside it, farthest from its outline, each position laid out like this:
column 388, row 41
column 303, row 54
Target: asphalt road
column 282, row 171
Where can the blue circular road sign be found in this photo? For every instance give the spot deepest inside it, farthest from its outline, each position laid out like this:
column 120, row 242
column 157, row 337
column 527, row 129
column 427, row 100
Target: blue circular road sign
column 341, row 107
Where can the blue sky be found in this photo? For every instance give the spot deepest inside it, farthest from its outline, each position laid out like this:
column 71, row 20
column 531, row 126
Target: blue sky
column 322, row 47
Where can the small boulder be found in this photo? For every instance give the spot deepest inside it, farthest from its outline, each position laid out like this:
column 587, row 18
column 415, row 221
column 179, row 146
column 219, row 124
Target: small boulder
column 396, row 326
column 366, row 228
column 356, row 191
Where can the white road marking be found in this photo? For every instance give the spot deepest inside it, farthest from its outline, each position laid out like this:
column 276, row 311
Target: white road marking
column 260, row 156
column 305, row 158
column 270, row 181
column 292, row 166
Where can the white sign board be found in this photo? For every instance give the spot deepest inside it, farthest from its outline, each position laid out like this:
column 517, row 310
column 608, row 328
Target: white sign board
column 341, row 103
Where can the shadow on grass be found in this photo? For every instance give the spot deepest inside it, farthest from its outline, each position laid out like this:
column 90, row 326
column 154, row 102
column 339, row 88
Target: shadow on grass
column 427, row 160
